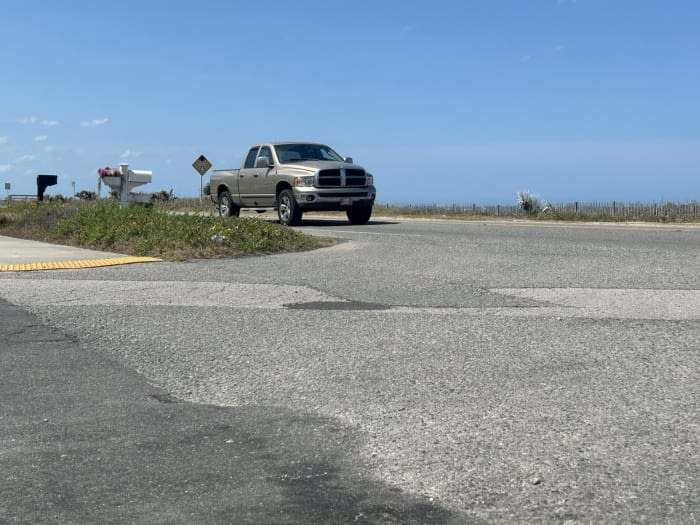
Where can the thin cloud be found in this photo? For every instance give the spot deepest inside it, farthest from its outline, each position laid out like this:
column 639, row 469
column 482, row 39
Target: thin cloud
column 25, row 158
column 4, row 168
column 94, row 122
column 34, row 120
column 3, row 140
column 49, row 149
column 128, row 154
column 542, row 54
column 41, row 138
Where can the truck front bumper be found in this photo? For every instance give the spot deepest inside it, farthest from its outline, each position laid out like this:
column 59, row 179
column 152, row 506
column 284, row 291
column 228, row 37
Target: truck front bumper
column 334, row 200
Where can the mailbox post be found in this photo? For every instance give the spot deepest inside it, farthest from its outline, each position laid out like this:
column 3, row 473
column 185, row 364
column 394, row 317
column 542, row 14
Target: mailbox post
column 123, row 186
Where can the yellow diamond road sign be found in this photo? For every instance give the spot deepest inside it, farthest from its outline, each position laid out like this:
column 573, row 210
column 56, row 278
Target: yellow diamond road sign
column 202, row 165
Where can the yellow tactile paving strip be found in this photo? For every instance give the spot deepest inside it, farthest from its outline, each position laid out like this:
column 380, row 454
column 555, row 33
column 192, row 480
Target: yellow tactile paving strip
column 74, row 265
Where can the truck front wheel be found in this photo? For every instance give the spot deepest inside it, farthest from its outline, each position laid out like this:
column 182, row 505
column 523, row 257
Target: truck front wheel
column 359, row 214
column 287, row 209
column 226, row 206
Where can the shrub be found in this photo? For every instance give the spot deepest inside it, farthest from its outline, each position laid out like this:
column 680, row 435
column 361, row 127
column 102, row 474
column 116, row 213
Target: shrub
column 530, row 203
column 86, row 195
column 55, row 198
column 162, row 196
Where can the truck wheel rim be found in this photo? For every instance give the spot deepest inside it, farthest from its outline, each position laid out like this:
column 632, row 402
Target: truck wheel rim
column 284, row 209
column 223, row 208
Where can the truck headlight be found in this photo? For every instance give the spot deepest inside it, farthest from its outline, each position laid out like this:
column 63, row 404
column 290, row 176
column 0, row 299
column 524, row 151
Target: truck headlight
column 369, row 179
column 304, row 181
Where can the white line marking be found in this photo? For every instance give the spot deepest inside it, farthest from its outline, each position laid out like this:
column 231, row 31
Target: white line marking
column 321, row 230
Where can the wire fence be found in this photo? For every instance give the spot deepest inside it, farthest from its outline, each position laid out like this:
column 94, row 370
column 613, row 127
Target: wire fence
column 603, row 211
column 16, row 198
column 690, row 210
column 595, row 210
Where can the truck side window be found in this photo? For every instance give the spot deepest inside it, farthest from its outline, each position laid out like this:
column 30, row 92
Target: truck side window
column 250, row 159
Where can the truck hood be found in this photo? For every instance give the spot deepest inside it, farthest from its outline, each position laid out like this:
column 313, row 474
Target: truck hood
column 312, row 166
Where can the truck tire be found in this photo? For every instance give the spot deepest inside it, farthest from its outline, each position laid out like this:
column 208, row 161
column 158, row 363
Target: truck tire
column 226, row 206
column 359, row 214
column 287, row 209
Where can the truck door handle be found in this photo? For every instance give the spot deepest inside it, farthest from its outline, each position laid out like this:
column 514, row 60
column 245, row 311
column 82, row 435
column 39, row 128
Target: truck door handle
column 256, row 174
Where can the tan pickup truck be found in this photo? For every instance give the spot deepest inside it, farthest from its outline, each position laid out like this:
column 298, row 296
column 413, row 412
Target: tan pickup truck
column 294, row 177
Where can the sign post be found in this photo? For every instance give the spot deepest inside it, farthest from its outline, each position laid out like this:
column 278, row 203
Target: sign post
column 202, row 165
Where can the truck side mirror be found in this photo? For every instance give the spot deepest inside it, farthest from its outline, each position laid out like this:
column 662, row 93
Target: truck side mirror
column 263, row 162
column 348, row 160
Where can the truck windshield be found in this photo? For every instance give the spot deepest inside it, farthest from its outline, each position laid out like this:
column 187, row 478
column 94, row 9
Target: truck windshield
column 288, row 153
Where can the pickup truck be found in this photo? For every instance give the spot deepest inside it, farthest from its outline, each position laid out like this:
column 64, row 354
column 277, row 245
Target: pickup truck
column 294, row 177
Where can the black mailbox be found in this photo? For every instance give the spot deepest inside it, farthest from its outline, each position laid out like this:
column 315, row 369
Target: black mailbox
column 42, row 181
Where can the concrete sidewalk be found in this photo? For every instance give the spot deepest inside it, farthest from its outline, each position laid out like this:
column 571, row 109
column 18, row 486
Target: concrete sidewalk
column 23, row 255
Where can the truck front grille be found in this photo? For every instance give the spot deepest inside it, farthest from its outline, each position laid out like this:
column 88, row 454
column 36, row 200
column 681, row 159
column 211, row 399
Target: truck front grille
column 355, row 178
column 331, row 178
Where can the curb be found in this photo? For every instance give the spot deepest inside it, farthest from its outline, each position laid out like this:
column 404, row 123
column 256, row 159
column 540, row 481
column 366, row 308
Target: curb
column 75, row 265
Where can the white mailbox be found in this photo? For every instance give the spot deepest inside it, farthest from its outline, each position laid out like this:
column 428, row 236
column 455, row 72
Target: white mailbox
column 125, row 180
column 140, row 176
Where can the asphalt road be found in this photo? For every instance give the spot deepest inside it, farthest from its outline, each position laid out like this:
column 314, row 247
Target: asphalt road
column 425, row 372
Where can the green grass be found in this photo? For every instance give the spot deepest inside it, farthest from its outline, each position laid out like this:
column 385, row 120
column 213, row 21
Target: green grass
column 149, row 231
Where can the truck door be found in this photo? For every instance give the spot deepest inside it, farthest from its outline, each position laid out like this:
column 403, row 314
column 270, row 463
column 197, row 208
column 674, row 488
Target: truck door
column 246, row 178
column 266, row 180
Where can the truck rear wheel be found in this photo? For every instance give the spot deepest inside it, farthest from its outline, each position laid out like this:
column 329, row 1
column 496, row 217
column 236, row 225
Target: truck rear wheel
column 287, row 209
column 226, row 206
column 359, row 214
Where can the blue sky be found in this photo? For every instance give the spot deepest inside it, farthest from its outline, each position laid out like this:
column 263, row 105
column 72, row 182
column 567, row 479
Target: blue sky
column 443, row 101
